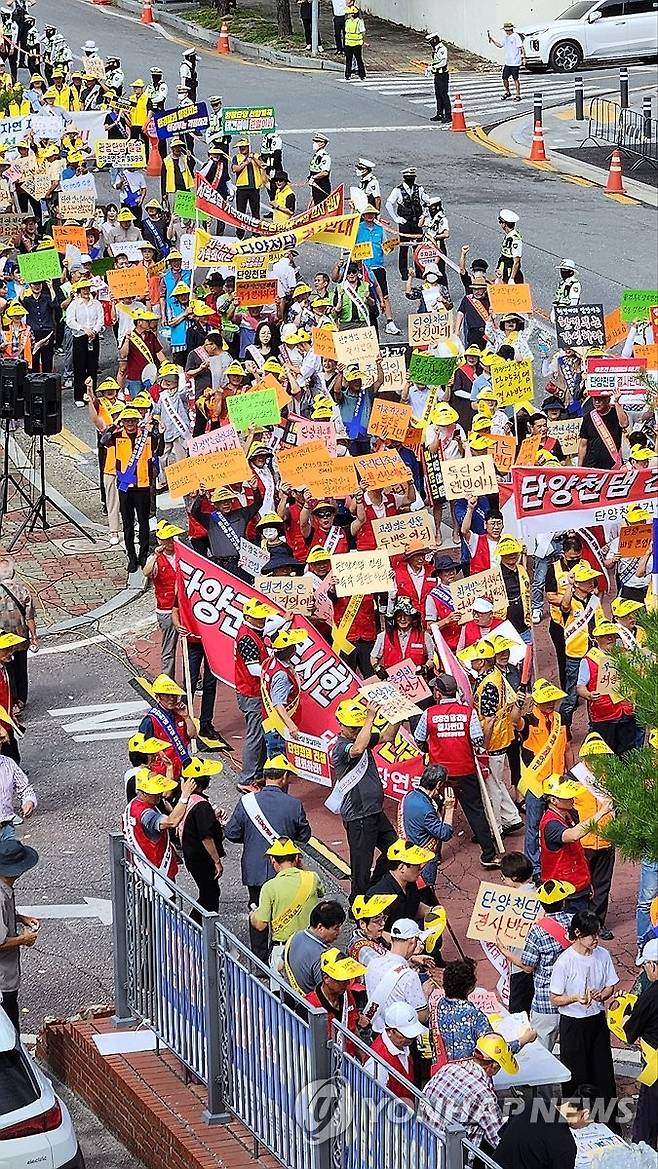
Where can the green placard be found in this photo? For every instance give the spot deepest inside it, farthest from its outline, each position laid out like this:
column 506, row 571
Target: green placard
column 40, row 266
column 248, row 120
column 426, row 370
column 102, row 265
column 636, row 302
column 259, row 406
column 185, row 206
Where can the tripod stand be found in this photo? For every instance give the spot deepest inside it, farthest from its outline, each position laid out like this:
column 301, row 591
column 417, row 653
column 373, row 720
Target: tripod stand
column 37, row 503
column 8, row 477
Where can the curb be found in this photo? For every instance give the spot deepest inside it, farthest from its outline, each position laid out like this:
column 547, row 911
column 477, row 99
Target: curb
column 502, row 140
column 239, row 48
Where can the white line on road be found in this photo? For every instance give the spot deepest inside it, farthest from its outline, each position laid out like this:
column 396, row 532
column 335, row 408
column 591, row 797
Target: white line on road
column 99, row 907
column 357, row 130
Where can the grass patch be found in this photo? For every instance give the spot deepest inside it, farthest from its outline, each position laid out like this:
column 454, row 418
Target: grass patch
column 247, row 25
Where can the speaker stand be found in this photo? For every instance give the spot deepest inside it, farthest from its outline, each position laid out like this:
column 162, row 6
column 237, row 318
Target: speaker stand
column 37, row 513
column 18, row 483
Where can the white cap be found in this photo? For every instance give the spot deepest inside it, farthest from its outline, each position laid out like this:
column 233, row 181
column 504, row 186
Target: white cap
column 482, row 605
column 84, row 259
column 365, row 163
column 288, row 331
column 508, row 216
column 404, row 1019
column 404, row 929
column 649, row 953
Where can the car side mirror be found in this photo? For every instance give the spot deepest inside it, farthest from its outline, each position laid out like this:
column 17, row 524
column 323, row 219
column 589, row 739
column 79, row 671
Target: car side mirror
column 592, row 17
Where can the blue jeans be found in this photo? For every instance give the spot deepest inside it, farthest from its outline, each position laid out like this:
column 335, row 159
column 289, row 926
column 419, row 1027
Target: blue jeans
column 535, row 806
column 569, row 704
column 275, row 744
column 647, row 891
column 526, row 636
column 8, row 832
column 539, row 571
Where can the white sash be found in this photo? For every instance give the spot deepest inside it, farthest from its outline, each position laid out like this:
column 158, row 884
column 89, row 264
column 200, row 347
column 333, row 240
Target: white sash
column 629, row 639
column 384, row 989
column 344, row 786
column 142, row 863
column 182, row 430
column 331, row 542
column 258, row 818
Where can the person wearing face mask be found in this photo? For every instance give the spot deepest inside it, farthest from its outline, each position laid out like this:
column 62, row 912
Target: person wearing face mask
column 569, row 288
column 319, row 169
column 557, row 575
column 368, row 182
column 405, row 206
column 508, row 269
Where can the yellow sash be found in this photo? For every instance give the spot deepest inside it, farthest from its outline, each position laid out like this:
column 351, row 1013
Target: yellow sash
column 290, row 913
column 533, row 776
column 288, row 969
column 339, row 641
column 576, row 634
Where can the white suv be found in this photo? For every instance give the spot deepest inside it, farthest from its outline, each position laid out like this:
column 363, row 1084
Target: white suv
column 608, row 30
column 36, row 1131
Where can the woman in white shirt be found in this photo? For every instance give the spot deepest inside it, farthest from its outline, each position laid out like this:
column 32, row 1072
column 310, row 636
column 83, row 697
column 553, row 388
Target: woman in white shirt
column 85, row 319
column 582, row 982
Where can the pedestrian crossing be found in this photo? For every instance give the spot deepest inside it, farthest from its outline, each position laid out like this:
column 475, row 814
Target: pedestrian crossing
column 482, row 93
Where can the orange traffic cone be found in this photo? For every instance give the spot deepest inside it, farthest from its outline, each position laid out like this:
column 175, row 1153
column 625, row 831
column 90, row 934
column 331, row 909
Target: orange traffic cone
column 538, row 148
column 147, row 12
column 615, row 183
column 154, row 164
column 223, row 42
column 458, row 121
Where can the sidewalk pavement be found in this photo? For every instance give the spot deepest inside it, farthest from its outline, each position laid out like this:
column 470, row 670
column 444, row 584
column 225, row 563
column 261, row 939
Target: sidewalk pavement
column 563, row 138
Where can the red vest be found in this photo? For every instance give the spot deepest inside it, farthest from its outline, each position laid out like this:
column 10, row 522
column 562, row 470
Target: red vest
column 153, row 850
column 568, row 863
column 481, row 558
column 474, row 632
column 300, row 548
column 318, row 536
column 195, row 529
column 406, row 587
column 164, row 583
column 452, row 631
column 365, row 539
column 364, row 626
column 272, row 666
column 395, row 1083
column 171, row 753
column 604, row 709
column 449, row 739
column 245, row 683
column 392, row 652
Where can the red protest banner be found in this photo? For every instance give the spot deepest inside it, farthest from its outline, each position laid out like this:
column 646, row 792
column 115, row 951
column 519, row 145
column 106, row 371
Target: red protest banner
column 211, row 602
column 548, row 499
column 606, row 374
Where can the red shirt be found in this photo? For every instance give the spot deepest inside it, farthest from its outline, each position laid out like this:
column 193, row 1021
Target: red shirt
column 136, row 360
column 474, row 632
column 347, row 1014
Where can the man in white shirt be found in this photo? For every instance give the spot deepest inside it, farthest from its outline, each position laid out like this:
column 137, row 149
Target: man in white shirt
column 340, row 9
column 514, row 57
column 391, row 979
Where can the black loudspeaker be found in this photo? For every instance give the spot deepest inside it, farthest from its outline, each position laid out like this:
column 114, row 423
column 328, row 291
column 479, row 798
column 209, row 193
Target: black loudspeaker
column 12, row 389
column 43, row 404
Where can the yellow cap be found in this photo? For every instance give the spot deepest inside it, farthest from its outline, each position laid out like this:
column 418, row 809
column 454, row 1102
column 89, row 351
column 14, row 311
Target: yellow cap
column 181, row 289
column 280, row 763
column 234, row 370
column 501, row 643
column 166, row 531
column 9, row 640
column 584, row 571
column 481, row 422
column 444, row 414
column 168, row 369
column 153, row 784
column 165, row 685
column 364, row 908
column 435, row 923
column 337, row 965
column 497, row 1049
column 409, row 854
column 483, row 649
column 147, row 746
column 480, row 442
column 254, row 607
column 197, row 768
column 271, row 517
column 16, row 310
column 283, row 848
column 108, row 383
column 636, row 514
column 142, row 401
column 129, row 413
column 285, row 638
column 617, row 1016
column 508, row 546
column 561, row 787
column 351, row 713
column 593, row 744
column 622, row 606
column 605, row 629
column 545, row 691
column 553, row 891
column 641, row 454
column 318, row 553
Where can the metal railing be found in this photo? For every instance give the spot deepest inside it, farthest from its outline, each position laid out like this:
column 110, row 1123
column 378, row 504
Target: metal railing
column 629, row 130
column 262, row 1051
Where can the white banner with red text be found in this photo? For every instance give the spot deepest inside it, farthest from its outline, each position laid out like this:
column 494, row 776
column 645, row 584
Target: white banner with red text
column 548, row 499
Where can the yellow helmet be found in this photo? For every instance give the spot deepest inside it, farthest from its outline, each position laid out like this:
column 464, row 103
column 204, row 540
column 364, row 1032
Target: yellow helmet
column 165, row 685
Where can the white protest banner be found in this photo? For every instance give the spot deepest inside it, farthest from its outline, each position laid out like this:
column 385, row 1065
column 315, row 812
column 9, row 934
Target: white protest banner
column 554, row 499
column 465, row 477
column 312, row 757
column 225, row 438
column 292, row 593
column 186, row 248
column 393, row 533
column 393, row 706
column 489, row 584
column 75, row 204
column 252, row 558
column 49, row 126
column 358, row 573
column 503, row 914
column 82, row 183
column 91, row 124
column 354, row 346
column 12, row 130
column 128, row 248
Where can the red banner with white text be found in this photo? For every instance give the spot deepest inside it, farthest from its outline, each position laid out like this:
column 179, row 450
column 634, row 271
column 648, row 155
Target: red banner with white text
column 548, row 499
column 209, row 200
column 211, row 601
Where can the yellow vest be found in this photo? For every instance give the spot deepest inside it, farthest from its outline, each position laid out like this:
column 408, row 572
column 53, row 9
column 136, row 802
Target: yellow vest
column 587, row 805
column 578, row 646
column 561, row 575
column 251, row 176
column 502, row 731
column 353, row 33
column 170, row 177
column 547, row 744
column 63, row 99
column 139, row 110
column 19, row 109
column 281, row 214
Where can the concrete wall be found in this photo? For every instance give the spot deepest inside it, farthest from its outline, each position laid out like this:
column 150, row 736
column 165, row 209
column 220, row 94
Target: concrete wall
column 465, row 22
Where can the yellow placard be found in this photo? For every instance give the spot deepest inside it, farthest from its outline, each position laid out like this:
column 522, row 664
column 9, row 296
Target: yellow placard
column 360, row 573
column 215, row 470
column 362, row 251
column 512, row 382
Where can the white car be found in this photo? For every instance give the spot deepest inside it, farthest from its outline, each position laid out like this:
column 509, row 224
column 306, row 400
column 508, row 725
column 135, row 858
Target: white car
column 608, row 30
column 36, row 1131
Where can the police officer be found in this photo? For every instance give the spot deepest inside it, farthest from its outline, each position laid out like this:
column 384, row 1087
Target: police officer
column 368, row 181
column 32, row 46
column 49, row 34
column 271, row 154
column 156, row 95
column 257, row 820
column 215, row 135
column 508, row 269
column 187, row 73
column 438, row 69
column 405, row 206
column 319, row 170
column 569, row 289
column 114, row 75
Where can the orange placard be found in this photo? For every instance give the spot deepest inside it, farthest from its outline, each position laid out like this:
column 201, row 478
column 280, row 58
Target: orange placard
column 323, row 342
column 333, row 477
column 503, row 451
column 384, row 469
column 218, row 469
column 389, row 419
column 649, row 353
column 76, row 236
column 251, row 293
column 127, row 282
column 634, row 540
column 297, row 464
column 510, row 298
column 528, row 451
column 269, row 382
column 615, row 329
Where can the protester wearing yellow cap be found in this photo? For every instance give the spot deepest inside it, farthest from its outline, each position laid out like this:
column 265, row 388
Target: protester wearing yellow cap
column 610, row 714
column 280, row 689
column 169, row 719
column 334, row 993
column 200, row 833
column 369, row 913
column 543, row 753
column 562, row 857
column 140, row 349
column 625, row 612
column 249, row 654
column 498, row 710
column 287, row 900
column 144, row 752
column 146, row 825
column 455, row 1087
column 160, row 569
column 134, row 443
column 517, row 584
column 576, row 610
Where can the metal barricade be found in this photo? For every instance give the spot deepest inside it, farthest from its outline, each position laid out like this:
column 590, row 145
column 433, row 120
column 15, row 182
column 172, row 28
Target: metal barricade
column 628, row 130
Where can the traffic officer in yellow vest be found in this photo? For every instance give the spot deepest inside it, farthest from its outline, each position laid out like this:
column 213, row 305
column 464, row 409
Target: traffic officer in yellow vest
column 136, row 442
column 250, row 177
column 600, row 852
column 578, row 605
column 283, row 203
column 508, row 268
column 543, row 753
column 176, row 174
column 355, row 35
column 499, row 711
column 319, row 169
